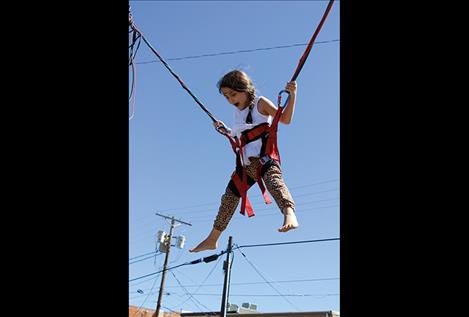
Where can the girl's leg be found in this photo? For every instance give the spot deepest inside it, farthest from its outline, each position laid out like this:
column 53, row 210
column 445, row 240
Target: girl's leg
column 275, row 184
column 229, row 202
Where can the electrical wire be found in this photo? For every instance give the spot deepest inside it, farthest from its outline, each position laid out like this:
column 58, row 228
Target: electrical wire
column 236, row 52
column 268, row 283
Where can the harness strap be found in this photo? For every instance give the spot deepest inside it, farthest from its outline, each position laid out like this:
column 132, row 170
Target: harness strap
column 242, row 188
column 271, row 148
column 260, row 182
column 255, row 133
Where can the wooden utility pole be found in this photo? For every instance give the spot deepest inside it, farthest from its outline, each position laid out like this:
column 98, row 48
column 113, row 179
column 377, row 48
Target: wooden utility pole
column 226, row 284
column 165, row 265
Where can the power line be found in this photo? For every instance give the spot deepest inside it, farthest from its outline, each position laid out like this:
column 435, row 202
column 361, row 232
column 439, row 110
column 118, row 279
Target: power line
column 254, row 196
column 146, row 298
column 273, row 295
column 282, row 243
column 150, row 257
column 151, row 274
column 202, row 283
column 203, row 217
column 139, row 233
column 261, row 203
column 268, row 283
column 206, row 259
column 191, row 297
column 215, row 256
column 236, row 52
column 145, row 233
column 259, row 282
column 245, row 283
column 260, row 295
column 170, row 309
column 138, row 256
column 269, row 214
column 144, row 281
column 306, row 211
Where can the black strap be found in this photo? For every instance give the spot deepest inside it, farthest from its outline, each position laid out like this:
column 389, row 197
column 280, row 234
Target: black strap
column 249, row 116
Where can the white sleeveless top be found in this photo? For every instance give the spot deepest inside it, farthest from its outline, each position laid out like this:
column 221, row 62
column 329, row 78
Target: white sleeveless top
column 239, row 125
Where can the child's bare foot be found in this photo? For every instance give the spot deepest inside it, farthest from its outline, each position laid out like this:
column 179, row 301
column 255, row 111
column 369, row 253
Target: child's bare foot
column 290, row 222
column 205, row 245
column 210, row 243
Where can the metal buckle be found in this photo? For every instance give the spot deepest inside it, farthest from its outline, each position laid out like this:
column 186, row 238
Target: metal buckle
column 264, row 159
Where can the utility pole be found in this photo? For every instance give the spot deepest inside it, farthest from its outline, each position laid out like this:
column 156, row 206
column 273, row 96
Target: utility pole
column 167, row 242
column 226, row 284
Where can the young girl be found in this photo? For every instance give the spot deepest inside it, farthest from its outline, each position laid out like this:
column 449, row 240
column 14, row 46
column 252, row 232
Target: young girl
column 250, row 111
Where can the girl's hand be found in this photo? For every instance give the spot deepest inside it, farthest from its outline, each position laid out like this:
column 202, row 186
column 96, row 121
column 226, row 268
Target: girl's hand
column 291, row 87
column 221, row 127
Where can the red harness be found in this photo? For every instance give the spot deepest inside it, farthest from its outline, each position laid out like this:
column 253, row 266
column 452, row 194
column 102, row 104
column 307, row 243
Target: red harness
column 240, row 181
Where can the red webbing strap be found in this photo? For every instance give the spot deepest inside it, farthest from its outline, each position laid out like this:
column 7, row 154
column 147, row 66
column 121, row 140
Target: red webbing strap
column 276, row 119
column 255, row 133
column 260, row 182
column 241, row 185
column 233, row 144
column 242, row 189
column 271, row 148
column 244, row 194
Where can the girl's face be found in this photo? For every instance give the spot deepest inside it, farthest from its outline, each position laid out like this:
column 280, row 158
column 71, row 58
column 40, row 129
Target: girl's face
column 238, row 99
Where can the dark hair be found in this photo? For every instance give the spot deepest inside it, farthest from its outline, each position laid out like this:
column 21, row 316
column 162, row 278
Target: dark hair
column 239, row 81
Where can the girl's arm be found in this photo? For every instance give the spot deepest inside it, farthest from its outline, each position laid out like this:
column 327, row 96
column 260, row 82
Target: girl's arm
column 266, row 107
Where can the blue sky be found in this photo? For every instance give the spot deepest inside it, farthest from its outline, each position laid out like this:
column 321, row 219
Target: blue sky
column 179, row 165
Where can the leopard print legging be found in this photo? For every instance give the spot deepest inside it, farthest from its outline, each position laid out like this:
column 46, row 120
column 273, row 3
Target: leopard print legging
column 275, row 185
